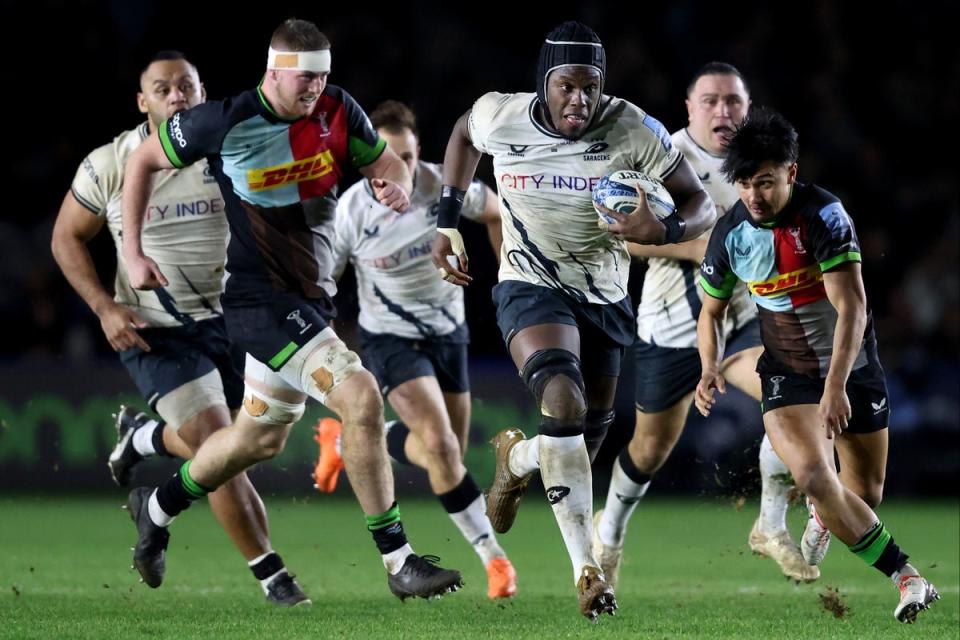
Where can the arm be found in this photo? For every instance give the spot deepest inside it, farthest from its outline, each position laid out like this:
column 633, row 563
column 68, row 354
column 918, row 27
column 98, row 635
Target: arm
column 491, row 218
column 844, row 286
column 459, row 165
column 695, row 212
column 692, row 250
column 145, row 160
column 710, row 344
column 390, row 179
column 74, row 228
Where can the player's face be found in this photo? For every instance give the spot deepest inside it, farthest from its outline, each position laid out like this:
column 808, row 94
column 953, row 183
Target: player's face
column 767, row 192
column 405, row 145
column 573, row 93
column 166, row 87
column 297, row 91
column 717, row 105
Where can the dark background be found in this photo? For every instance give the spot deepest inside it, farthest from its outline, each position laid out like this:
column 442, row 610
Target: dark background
column 872, row 90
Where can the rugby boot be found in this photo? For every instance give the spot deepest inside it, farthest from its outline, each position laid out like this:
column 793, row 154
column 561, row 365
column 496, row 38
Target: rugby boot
column 501, row 579
column 285, row 592
column 420, row 577
column 330, row 464
column 608, row 556
column 149, row 556
column 503, row 498
column 124, row 457
column 916, row 595
column 784, row 551
column 594, row 594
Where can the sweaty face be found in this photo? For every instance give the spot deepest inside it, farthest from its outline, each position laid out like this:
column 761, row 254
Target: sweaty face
column 297, row 91
column 573, row 93
column 715, row 107
column 166, row 87
column 404, row 144
column 767, row 192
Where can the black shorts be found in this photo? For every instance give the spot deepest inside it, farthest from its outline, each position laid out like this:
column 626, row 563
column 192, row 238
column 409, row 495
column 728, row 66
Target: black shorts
column 664, row 375
column 179, row 355
column 866, row 389
column 605, row 329
column 394, row 360
column 275, row 329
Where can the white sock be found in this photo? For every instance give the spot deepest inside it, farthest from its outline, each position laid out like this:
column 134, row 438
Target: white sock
column 475, row 527
column 565, row 471
column 525, row 456
column 158, row 515
column 776, row 483
column 143, row 438
column 394, row 560
column 906, row 570
column 622, row 498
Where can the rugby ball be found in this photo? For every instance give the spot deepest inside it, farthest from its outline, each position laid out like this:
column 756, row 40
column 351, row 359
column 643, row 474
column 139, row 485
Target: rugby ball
column 619, row 191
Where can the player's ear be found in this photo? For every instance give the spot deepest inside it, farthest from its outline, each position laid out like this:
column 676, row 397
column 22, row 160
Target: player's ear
column 141, row 102
column 203, row 93
column 792, row 173
column 689, row 109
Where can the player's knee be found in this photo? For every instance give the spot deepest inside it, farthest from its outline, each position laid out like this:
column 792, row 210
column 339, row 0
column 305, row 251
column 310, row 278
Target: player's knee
column 263, row 409
column 649, row 456
column 268, row 444
column 554, row 378
column 328, row 366
column 440, row 443
column 871, row 492
column 815, row 479
column 197, row 430
column 364, row 405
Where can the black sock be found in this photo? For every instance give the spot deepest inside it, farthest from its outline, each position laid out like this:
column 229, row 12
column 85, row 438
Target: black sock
column 461, row 496
column 268, row 566
column 159, row 448
column 626, row 463
column 878, row 549
column 387, row 530
column 396, row 440
column 179, row 492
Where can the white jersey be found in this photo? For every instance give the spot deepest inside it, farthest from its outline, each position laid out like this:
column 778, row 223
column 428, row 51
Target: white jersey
column 671, row 298
column 550, row 232
column 184, row 231
column 399, row 289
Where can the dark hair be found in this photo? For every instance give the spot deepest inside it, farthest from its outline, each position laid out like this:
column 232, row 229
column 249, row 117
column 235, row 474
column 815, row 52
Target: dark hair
column 394, row 116
column 717, row 69
column 765, row 136
column 166, row 54
column 298, row 35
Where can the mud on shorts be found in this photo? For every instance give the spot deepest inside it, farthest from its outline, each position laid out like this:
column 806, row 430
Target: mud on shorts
column 866, row 389
column 605, row 329
column 394, row 360
column 184, row 354
column 664, row 375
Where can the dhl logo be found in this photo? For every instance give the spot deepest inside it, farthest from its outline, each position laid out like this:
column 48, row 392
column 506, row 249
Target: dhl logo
column 291, row 172
column 788, row 282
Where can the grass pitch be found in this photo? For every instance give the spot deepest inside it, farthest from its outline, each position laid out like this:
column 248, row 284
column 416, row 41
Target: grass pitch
column 687, row 573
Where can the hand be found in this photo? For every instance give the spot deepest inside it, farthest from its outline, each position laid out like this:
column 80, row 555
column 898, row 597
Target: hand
column 449, row 242
column 120, row 325
column 834, row 410
column 390, row 194
column 144, row 274
column 703, row 396
column 641, row 226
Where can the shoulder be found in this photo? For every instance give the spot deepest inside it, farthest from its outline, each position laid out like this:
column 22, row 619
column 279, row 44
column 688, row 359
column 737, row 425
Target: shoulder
column 493, row 106
column 429, row 180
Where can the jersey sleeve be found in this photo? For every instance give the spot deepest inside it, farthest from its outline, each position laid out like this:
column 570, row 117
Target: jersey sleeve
column 480, row 124
column 833, row 237
column 196, row 133
column 365, row 146
column 656, row 154
column 474, row 201
column 98, row 180
column 717, row 278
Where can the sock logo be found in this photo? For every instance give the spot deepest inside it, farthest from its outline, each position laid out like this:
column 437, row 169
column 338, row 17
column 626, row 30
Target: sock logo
column 557, row 493
column 628, row 499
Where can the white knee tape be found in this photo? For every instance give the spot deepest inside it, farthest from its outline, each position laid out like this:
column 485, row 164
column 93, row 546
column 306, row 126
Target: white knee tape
column 330, row 364
column 270, row 411
column 186, row 401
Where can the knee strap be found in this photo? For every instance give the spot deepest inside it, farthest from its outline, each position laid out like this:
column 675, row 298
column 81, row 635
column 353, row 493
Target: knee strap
column 270, row 411
column 595, row 428
column 538, row 371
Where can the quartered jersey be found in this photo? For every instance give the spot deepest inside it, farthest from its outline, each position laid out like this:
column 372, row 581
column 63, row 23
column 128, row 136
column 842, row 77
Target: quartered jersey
column 550, row 232
column 400, row 291
column 671, row 300
column 782, row 264
column 279, row 180
column 184, row 231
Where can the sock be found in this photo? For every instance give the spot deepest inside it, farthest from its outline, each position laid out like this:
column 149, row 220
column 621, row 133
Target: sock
column 388, row 534
column 776, row 482
column 906, row 570
column 878, row 549
column 468, row 510
column 525, row 457
column 267, row 567
column 396, row 433
column 145, row 439
column 565, row 470
column 175, row 495
column 628, row 485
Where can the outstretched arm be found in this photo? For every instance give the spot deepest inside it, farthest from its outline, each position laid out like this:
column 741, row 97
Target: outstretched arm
column 145, row 160
column 390, row 179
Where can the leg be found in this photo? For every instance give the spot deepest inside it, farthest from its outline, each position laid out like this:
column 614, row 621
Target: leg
column 863, row 463
column 458, row 408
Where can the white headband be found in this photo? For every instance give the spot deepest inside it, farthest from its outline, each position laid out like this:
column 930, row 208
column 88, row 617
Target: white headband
column 315, row 61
